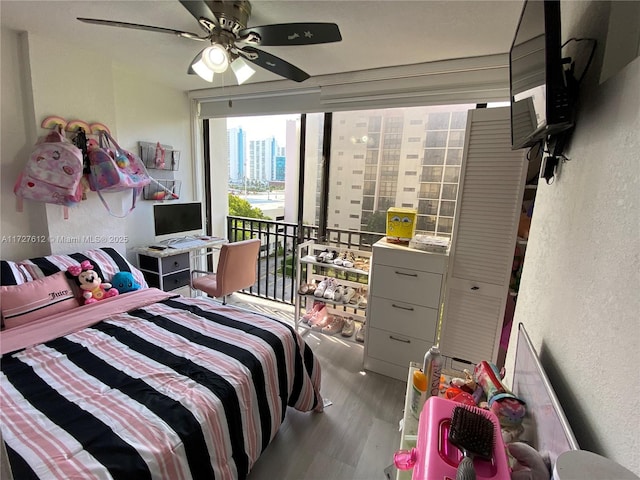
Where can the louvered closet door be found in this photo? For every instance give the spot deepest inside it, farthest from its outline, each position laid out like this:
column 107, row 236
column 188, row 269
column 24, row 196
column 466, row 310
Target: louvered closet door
column 483, row 243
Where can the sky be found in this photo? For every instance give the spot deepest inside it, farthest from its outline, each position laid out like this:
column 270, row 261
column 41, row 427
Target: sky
column 263, row 127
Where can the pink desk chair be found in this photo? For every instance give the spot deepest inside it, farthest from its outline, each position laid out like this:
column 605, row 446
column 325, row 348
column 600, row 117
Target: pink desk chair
column 236, row 270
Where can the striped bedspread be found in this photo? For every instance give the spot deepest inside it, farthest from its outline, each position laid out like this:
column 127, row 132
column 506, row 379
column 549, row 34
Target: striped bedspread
column 178, row 389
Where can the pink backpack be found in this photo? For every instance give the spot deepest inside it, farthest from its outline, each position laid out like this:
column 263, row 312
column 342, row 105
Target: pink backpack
column 114, row 169
column 53, row 172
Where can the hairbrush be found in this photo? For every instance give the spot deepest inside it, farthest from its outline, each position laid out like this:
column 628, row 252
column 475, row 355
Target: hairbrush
column 473, row 434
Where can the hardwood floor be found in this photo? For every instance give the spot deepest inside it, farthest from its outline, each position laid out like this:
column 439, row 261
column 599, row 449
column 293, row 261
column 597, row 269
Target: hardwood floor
column 354, row 438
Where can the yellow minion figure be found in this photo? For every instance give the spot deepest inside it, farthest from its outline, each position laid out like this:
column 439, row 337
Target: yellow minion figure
column 401, row 224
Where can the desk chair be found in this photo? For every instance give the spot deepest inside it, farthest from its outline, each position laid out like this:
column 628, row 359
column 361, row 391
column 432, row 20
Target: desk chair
column 236, row 270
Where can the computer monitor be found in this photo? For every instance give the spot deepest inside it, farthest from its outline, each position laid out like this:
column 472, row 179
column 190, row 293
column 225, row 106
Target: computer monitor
column 177, row 219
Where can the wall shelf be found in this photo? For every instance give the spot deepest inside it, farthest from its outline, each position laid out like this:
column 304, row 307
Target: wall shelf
column 154, row 190
column 148, row 155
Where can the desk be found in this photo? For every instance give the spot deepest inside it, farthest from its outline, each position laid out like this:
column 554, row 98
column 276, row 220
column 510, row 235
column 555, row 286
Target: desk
column 170, row 268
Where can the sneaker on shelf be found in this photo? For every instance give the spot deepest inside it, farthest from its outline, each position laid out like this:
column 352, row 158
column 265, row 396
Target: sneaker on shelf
column 330, row 290
column 331, row 256
column 349, row 327
column 348, row 260
column 311, row 288
column 321, row 320
column 334, row 325
column 361, row 263
column 360, row 333
column 349, row 293
column 307, row 288
column 338, row 293
column 320, row 256
column 320, row 317
column 310, row 313
column 357, row 296
column 362, row 301
column 338, row 260
column 320, row 288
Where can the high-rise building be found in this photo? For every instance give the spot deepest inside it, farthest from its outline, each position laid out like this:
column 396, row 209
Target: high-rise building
column 236, row 141
column 403, row 157
column 280, row 161
column 262, row 158
column 408, row 157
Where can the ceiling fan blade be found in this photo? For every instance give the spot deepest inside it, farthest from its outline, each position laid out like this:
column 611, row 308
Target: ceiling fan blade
column 136, row 26
column 199, row 9
column 273, row 64
column 294, row 33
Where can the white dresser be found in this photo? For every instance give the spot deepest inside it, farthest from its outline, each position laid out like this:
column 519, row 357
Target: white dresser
column 405, row 299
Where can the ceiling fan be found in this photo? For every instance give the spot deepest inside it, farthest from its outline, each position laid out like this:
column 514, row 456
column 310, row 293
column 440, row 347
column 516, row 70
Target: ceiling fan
column 232, row 42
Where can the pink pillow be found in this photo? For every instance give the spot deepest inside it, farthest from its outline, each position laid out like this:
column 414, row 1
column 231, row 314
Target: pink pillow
column 40, row 298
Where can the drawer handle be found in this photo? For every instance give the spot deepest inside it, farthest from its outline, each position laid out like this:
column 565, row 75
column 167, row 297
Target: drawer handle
column 407, row 274
column 175, row 264
column 403, row 340
column 401, row 307
column 475, row 288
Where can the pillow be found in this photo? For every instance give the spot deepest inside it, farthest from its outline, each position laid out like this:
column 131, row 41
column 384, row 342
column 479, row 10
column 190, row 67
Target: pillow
column 12, row 273
column 106, row 261
column 34, row 300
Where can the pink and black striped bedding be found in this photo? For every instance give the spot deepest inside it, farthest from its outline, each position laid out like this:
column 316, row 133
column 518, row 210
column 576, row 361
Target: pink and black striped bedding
column 175, row 388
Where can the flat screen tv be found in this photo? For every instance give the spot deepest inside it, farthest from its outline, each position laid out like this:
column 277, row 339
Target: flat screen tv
column 173, row 218
column 541, row 91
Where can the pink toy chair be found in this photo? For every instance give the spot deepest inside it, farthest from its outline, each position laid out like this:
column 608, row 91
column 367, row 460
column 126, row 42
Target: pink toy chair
column 236, row 270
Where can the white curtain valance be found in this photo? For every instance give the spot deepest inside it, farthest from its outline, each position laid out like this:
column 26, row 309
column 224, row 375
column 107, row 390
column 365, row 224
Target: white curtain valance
column 468, row 80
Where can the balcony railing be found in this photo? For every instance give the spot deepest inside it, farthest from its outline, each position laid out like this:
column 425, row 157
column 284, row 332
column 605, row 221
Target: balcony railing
column 276, row 268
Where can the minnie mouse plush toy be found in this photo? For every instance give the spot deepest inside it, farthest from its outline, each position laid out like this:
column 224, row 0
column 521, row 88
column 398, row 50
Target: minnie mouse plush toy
column 94, row 289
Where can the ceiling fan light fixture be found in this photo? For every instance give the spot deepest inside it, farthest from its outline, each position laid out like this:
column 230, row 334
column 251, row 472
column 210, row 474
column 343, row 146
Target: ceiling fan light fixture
column 202, row 70
column 216, row 58
column 242, row 70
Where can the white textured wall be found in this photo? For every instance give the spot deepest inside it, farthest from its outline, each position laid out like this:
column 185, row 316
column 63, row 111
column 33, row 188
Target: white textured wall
column 62, row 85
column 17, row 136
column 580, row 289
column 36, row 84
column 150, row 112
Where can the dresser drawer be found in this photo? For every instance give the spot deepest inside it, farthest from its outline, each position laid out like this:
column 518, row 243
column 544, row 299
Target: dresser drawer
column 395, row 348
column 404, row 318
column 175, row 263
column 175, row 280
column 404, row 257
column 406, row 285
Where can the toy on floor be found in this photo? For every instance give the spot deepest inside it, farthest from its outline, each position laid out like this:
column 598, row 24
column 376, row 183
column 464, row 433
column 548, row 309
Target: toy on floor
column 124, row 282
column 94, row 289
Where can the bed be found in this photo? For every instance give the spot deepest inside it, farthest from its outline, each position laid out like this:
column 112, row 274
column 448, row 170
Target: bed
column 146, row 384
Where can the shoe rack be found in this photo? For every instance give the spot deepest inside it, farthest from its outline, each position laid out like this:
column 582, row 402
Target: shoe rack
column 312, row 270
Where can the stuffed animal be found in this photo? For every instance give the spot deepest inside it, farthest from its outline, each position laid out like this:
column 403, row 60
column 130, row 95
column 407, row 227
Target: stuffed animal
column 94, row 289
column 124, row 282
column 527, row 463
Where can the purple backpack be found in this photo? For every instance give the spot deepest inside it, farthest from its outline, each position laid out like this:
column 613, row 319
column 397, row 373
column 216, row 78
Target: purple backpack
column 53, row 172
column 113, row 169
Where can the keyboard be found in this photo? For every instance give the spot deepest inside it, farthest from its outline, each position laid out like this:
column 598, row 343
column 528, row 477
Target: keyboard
column 187, row 244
